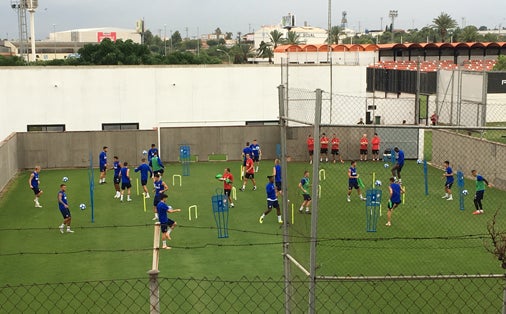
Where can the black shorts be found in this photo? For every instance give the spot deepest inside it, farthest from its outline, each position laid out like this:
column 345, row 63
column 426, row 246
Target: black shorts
column 144, row 181
column 375, row 151
column 160, row 171
column 250, row 176
column 391, row 204
column 256, row 158
column 103, row 168
column 363, row 152
column 311, row 152
column 125, row 186
column 116, row 180
column 335, row 152
column 353, row 185
column 278, row 186
column 156, row 200
column 324, row 150
column 272, row 204
column 306, row 197
column 36, row 191
column 165, row 226
column 227, row 192
column 448, row 185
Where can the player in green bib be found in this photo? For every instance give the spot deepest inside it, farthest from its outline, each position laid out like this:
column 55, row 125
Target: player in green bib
column 304, row 185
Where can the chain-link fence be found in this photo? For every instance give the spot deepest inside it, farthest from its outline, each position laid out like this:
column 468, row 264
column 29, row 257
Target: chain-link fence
column 478, row 294
column 435, row 223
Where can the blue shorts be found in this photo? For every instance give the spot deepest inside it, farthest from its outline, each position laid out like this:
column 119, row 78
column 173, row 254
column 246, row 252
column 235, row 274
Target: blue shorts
column 278, row 186
column 391, row 204
column 103, row 168
column 125, row 186
column 156, row 200
column 256, row 158
column 272, row 204
column 36, row 191
column 116, row 180
column 353, row 185
column 65, row 212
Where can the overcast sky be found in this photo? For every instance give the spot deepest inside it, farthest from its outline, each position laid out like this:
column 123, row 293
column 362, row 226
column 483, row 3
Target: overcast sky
column 204, row 16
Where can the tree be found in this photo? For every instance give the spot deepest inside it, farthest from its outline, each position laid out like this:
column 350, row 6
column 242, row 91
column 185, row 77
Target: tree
column 228, row 35
column 335, row 33
column 501, row 64
column 217, row 32
column 469, row 34
column 443, row 23
column 176, row 38
column 265, row 51
column 276, row 38
column 292, row 38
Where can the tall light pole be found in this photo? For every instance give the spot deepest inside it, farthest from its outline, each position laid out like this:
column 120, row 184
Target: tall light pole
column 225, row 53
column 393, row 14
column 165, row 38
column 54, row 40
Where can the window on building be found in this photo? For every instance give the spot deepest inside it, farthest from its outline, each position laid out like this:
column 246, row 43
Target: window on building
column 45, row 127
column 272, row 122
column 119, row 126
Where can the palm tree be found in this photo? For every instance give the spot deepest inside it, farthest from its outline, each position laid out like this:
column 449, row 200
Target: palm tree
column 469, row 34
column 265, row 51
column 443, row 23
column 292, row 38
column 335, row 32
column 276, row 38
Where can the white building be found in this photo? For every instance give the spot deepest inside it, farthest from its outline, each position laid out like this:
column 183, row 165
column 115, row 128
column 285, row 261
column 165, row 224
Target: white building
column 308, row 35
column 95, row 35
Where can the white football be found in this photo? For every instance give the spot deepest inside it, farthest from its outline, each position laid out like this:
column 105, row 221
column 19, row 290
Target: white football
column 465, row 192
column 419, row 161
column 65, row 179
column 377, row 183
column 386, row 165
column 82, row 206
column 144, row 152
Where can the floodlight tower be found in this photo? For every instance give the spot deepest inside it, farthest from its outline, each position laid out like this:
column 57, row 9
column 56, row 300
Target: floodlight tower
column 31, row 5
column 392, row 14
column 20, row 7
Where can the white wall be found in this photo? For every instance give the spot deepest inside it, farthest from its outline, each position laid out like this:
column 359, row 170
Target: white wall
column 83, row 98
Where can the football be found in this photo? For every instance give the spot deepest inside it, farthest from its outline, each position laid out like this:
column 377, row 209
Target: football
column 377, row 183
column 386, row 165
column 419, row 161
column 465, row 192
column 65, row 179
column 82, row 206
column 144, row 152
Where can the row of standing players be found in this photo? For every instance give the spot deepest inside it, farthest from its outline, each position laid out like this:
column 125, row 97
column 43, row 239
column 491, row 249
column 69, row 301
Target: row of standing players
column 334, row 147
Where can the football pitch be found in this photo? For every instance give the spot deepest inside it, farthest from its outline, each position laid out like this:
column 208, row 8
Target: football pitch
column 429, row 235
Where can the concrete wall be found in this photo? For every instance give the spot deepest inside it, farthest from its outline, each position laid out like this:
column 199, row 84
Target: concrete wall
column 9, row 164
column 467, row 153
column 83, row 98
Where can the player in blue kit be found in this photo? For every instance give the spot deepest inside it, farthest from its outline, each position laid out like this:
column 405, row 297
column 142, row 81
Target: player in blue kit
column 160, row 188
column 276, row 172
column 152, row 152
column 102, row 163
column 256, row 153
column 145, row 174
column 272, row 200
column 448, row 174
column 166, row 224
column 353, row 181
column 33, row 181
column 396, row 169
column 395, row 199
column 116, row 166
column 126, row 184
column 63, row 205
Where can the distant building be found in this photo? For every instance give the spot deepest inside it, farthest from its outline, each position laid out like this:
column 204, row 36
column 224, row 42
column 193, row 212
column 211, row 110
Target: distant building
column 308, row 35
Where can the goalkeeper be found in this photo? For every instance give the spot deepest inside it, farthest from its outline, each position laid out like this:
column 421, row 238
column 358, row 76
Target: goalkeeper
column 228, row 180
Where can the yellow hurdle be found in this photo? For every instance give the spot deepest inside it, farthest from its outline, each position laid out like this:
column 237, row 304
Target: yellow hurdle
column 403, row 194
column 144, row 201
column 174, row 179
column 234, row 193
column 319, row 191
column 321, row 174
column 137, row 181
column 293, row 212
column 190, row 212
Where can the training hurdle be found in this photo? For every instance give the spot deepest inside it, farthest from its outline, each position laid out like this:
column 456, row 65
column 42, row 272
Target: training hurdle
column 234, row 193
column 137, row 183
column 321, row 173
column 190, row 212
column 319, row 191
column 174, row 179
